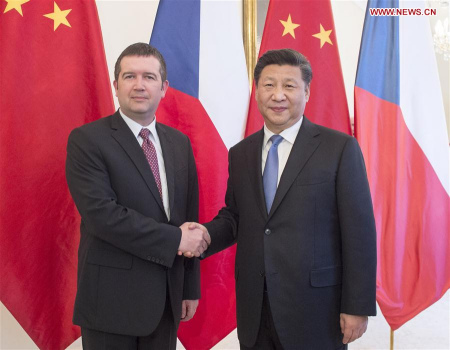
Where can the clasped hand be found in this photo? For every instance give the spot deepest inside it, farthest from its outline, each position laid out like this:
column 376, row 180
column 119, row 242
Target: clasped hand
column 195, row 239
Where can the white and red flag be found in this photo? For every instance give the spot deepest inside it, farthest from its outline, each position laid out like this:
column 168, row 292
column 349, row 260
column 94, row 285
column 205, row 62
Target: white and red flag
column 207, row 100
column 400, row 125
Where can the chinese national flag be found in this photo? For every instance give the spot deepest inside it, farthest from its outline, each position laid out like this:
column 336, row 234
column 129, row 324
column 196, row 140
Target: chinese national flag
column 53, row 78
column 308, row 27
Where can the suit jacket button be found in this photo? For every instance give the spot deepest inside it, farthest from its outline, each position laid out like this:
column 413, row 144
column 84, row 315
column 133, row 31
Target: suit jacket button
column 153, row 259
column 267, row 231
column 261, row 273
column 149, row 258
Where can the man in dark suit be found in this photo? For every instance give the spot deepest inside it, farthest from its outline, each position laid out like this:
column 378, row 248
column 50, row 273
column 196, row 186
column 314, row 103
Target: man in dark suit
column 299, row 207
column 134, row 182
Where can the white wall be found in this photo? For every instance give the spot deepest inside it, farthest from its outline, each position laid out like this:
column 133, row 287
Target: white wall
column 429, row 330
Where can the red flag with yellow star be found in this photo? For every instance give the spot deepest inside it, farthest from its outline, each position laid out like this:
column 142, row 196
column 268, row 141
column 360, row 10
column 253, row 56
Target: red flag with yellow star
column 53, row 78
column 308, row 27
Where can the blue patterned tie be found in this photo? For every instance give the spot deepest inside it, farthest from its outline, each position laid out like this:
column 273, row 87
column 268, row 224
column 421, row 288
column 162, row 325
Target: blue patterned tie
column 270, row 175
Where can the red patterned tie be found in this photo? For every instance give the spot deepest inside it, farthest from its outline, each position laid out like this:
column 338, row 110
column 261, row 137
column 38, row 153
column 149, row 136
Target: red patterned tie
column 152, row 157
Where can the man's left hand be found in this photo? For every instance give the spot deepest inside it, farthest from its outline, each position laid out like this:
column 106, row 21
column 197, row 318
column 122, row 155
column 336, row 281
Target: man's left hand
column 188, row 308
column 353, row 327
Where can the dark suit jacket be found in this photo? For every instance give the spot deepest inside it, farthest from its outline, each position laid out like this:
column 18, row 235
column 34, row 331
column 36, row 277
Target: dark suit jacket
column 128, row 249
column 317, row 246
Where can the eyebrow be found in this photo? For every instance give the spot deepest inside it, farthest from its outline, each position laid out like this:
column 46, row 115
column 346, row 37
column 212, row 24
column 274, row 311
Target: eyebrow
column 145, row 73
column 284, row 81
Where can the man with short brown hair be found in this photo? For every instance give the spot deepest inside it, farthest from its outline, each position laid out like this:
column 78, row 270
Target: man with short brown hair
column 134, row 182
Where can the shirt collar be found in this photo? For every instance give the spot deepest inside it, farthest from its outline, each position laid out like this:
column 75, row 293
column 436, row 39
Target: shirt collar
column 136, row 127
column 289, row 134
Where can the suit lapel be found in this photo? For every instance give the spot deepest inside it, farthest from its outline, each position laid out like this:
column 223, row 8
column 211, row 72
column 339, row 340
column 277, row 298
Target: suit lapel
column 169, row 159
column 254, row 157
column 304, row 146
column 124, row 136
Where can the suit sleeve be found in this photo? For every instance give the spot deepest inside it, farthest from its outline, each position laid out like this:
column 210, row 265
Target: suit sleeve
column 103, row 216
column 224, row 227
column 191, row 289
column 358, row 233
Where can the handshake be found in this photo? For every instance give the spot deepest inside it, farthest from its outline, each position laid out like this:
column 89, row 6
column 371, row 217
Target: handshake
column 195, row 240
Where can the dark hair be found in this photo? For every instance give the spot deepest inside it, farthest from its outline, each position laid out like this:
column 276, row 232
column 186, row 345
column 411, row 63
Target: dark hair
column 284, row 57
column 142, row 49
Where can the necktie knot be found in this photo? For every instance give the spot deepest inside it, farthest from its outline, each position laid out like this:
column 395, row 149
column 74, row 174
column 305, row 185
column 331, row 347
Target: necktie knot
column 276, row 140
column 144, row 133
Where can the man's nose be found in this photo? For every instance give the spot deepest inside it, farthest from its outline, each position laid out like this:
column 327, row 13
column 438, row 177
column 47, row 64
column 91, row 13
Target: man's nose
column 278, row 94
column 139, row 83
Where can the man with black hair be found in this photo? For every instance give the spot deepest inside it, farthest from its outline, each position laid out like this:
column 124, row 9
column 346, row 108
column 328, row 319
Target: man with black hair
column 298, row 206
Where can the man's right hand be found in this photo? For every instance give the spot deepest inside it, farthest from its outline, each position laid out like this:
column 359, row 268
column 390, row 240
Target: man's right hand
column 194, row 240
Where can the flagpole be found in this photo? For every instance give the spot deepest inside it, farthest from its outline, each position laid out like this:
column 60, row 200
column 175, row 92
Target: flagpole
column 392, row 340
column 249, row 21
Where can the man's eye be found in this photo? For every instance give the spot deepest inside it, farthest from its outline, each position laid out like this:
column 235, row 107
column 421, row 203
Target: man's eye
column 290, row 86
column 151, row 77
column 268, row 85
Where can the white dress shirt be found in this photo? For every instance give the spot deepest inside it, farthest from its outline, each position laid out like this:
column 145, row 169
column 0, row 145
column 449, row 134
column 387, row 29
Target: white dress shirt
column 136, row 129
column 284, row 148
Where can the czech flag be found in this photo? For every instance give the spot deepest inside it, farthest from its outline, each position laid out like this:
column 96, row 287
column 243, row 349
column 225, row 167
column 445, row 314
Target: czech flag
column 207, row 100
column 400, row 125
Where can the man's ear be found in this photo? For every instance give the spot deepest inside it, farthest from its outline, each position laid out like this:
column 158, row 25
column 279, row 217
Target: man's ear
column 116, row 86
column 165, row 87
column 308, row 92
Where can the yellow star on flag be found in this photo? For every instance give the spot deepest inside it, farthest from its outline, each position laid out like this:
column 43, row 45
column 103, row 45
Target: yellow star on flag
column 289, row 26
column 59, row 17
column 324, row 36
column 16, row 5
